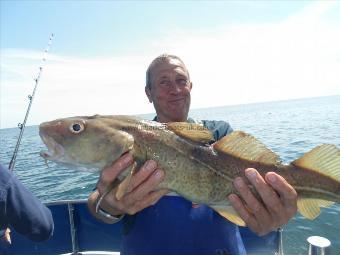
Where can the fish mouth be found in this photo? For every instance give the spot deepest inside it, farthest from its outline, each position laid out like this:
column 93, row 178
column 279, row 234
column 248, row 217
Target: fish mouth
column 54, row 150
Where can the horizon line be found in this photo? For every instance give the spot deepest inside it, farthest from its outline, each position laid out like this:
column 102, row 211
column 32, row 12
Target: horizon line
column 219, row 106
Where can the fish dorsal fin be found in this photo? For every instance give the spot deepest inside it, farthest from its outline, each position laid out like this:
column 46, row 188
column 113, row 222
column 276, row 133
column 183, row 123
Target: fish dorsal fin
column 310, row 208
column 323, row 159
column 245, row 146
column 192, row 131
column 230, row 214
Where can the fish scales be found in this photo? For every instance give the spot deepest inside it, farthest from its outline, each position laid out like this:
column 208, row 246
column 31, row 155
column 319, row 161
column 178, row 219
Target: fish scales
column 185, row 172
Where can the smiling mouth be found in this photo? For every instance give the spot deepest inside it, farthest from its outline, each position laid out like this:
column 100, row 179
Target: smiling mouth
column 55, row 151
column 176, row 100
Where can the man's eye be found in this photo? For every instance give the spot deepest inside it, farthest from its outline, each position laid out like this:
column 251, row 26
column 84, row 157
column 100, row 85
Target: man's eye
column 182, row 82
column 165, row 82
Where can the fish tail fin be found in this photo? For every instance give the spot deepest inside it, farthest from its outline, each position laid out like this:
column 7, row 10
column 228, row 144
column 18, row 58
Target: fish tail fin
column 324, row 159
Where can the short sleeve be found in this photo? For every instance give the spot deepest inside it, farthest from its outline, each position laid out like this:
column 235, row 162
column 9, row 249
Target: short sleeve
column 219, row 128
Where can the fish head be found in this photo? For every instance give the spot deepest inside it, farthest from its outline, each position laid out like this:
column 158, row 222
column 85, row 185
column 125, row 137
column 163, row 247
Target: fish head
column 91, row 142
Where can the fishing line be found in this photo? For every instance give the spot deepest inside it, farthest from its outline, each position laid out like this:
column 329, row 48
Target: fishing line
column 21, row 126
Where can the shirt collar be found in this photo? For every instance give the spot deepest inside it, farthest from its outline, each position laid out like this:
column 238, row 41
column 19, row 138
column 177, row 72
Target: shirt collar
column 190, row 120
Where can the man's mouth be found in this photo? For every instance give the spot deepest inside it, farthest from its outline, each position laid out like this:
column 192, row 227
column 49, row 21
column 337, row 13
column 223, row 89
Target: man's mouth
column 176, row 100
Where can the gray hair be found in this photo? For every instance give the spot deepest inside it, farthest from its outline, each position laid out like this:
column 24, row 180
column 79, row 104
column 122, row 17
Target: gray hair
column 160, row 59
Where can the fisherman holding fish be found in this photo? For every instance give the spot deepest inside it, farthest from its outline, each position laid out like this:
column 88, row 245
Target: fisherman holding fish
column 157, row 222
column 183, row 187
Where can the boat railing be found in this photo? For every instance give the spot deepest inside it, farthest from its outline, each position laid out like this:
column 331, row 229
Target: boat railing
column 78, row 232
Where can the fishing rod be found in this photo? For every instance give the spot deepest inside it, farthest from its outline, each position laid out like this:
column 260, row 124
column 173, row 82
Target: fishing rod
column 21, row 126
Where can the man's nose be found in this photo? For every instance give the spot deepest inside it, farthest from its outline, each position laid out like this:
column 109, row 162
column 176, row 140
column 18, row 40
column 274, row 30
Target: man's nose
column 175, row 88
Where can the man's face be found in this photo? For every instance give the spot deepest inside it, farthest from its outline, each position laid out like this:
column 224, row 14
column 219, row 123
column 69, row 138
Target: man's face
column 170, row 91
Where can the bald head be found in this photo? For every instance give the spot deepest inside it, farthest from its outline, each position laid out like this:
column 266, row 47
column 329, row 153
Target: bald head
column 159, row 60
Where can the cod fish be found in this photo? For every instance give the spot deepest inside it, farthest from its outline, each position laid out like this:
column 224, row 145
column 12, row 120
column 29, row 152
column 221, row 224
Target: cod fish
column 195, row 166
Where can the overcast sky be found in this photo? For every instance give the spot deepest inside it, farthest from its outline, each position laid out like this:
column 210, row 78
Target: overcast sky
column 236, row 52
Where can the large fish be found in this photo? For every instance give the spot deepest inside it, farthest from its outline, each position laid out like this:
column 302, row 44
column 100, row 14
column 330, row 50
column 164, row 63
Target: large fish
column 194, row 169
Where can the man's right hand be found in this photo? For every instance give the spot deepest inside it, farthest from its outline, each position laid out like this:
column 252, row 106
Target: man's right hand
column 141, row 192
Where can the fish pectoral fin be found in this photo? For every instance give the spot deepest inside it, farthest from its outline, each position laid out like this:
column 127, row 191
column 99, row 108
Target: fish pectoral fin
column 191, row 131
column 323, row 159
column 124, row 186
column 230, row 214
column 310, row 208
column 244, row 146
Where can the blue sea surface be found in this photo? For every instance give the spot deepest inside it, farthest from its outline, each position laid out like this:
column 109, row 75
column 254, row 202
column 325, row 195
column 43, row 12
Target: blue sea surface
column 289, row 128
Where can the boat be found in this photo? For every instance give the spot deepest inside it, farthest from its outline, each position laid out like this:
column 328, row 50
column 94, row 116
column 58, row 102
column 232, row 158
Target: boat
column 77, row 232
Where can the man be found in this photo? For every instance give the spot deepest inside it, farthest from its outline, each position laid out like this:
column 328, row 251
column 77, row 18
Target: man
column 21, row 210
column 186, row 229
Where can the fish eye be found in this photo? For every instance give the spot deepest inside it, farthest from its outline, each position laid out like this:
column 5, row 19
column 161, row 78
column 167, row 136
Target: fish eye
column 76, row 128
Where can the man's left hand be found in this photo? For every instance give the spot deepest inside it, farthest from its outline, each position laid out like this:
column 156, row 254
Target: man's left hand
column 278, row 205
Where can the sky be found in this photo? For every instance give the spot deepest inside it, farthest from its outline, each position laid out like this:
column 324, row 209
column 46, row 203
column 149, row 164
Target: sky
column 237, row 52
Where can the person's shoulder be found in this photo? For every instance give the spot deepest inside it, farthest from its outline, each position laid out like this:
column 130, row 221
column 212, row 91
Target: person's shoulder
column 219, row 128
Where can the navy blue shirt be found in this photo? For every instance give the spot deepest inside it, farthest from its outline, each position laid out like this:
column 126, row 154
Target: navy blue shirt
column 20, row 209
column 174, row 226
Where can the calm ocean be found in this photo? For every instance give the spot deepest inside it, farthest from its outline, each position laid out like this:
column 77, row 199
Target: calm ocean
column 289, row 128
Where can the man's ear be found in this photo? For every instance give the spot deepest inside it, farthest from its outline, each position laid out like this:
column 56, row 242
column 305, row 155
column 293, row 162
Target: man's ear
column 190, row 86
column 148, row 93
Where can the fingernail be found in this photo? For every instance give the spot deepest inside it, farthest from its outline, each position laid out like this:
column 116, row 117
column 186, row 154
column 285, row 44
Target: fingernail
column 251, row 173
column 272, row 178
column 238, row 182
column 159, row 174
column 232, row 198
column 150, row 165
column 128, row 158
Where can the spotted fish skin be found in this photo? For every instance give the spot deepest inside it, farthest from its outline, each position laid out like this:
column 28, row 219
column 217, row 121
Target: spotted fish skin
column 194, row 169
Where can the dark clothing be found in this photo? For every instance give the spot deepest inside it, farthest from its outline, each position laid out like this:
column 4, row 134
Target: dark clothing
column 174, row 226
column 20, row 209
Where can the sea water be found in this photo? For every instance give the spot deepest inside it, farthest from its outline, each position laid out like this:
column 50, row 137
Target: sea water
column 289, row 128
